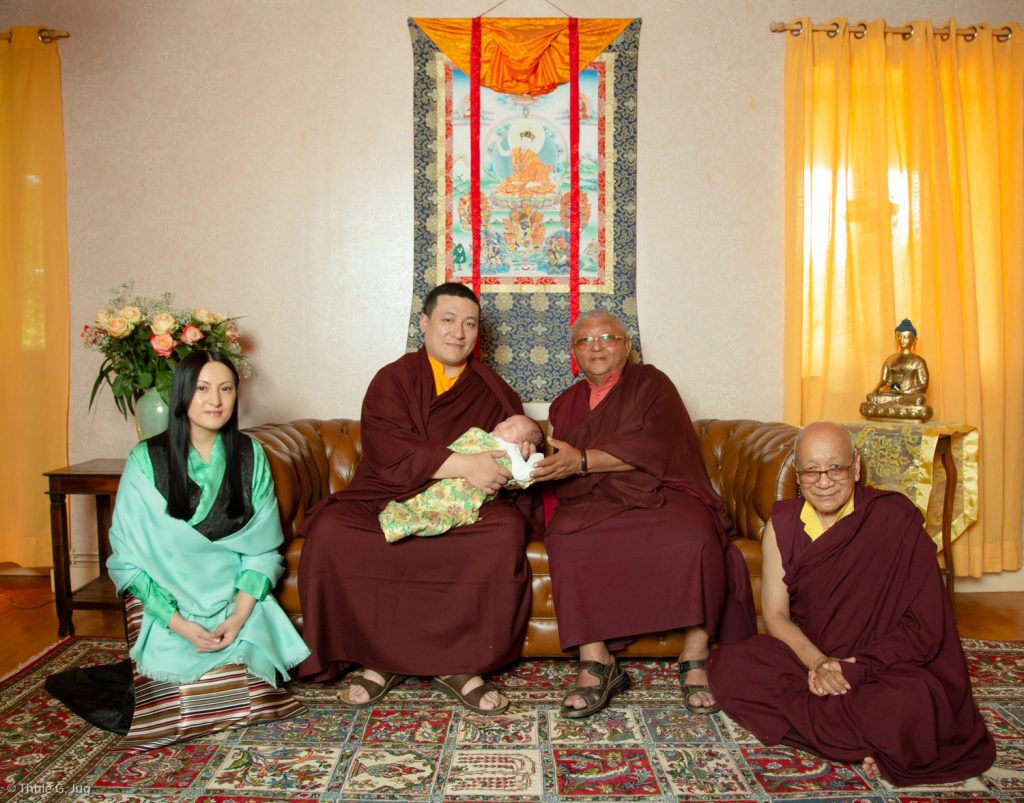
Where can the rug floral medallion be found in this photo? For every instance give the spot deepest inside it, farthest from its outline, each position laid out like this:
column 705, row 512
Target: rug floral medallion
column 418, row 746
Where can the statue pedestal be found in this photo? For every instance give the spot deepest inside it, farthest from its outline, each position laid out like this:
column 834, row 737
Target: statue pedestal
column 896, row 412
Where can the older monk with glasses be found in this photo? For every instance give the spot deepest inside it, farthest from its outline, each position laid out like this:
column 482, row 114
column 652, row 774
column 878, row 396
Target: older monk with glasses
column 637, row 539
column 861, row 662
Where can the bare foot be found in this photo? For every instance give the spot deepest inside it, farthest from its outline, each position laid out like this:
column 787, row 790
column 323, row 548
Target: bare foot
column 870, row 768
column 489, row 701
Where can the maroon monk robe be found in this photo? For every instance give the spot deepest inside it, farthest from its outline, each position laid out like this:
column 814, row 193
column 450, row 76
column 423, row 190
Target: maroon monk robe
column 641, row 551
column 456, row 603
column 868, row 588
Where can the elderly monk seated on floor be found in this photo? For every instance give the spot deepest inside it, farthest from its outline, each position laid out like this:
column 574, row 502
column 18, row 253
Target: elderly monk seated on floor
column 454, row 606
column 637, row 539
column 862, row 661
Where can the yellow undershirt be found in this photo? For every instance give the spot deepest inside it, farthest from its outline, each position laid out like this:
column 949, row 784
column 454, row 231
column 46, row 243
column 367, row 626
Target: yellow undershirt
column 812, row 524
column 443, row 383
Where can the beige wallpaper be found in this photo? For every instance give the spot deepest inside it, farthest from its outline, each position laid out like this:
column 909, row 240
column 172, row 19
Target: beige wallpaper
column 255, row 157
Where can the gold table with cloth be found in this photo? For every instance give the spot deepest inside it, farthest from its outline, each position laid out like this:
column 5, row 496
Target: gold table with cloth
column 933, row 463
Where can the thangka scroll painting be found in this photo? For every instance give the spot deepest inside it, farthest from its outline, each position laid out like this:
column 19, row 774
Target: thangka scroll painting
column 540, row 235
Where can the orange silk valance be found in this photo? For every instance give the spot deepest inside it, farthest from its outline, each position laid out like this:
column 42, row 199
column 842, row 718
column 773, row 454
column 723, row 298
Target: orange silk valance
column 521, row 55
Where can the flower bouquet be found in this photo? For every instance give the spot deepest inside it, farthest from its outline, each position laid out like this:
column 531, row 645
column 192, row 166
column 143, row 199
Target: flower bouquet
column 142, row 340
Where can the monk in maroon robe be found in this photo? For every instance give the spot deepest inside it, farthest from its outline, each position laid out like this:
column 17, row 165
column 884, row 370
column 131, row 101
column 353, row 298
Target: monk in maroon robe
column 639, row 541
column 454, row 606
column 862, row 662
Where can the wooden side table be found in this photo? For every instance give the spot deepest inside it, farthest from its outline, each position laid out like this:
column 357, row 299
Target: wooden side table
column 100, row 479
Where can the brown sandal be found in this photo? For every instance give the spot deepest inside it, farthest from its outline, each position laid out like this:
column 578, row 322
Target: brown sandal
column 452, row 685
column 690, row 689
column 372, row 687
column 613, row 679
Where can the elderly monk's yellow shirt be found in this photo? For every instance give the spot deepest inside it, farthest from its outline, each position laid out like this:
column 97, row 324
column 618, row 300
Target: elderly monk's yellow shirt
column 812, row 524
column 443, row 383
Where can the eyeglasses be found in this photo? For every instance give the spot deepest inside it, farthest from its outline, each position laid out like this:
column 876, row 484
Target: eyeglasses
column 811, row 476
column 583, row 342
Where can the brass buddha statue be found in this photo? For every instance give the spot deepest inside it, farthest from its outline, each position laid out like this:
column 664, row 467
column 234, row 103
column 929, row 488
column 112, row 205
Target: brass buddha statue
column 900, row 392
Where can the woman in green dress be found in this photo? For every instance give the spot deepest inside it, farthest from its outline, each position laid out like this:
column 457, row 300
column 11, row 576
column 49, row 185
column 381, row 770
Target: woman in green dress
column 195, row 541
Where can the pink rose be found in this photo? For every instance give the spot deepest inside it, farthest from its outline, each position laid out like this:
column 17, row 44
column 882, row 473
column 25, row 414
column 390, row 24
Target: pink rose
column 231, row 331
column 163, row 344
column 191, row 335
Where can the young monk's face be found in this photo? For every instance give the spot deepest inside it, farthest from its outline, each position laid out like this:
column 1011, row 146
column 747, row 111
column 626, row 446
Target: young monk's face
column 451, row 329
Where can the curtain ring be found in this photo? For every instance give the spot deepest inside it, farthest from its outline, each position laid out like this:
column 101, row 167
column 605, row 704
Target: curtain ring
column 859, row 30
column 1004, row 37
column 43, row 35
column 969, row 37
column 834, row 31
column 909, row 33
column 798, row 30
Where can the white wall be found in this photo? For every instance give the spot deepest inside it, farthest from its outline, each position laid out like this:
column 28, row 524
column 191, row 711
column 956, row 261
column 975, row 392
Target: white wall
column 255, row 157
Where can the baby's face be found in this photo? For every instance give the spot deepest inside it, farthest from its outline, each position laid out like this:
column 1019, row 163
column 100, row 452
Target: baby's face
column 515, row 429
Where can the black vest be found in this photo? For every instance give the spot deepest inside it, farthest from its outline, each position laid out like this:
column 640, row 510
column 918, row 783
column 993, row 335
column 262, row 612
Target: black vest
column 217, row 524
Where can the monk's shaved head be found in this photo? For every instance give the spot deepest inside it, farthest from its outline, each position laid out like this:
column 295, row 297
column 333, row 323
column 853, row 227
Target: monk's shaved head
column 823, row 429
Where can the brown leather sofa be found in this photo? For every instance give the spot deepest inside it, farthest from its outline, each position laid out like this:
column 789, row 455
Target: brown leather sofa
column 750, row 464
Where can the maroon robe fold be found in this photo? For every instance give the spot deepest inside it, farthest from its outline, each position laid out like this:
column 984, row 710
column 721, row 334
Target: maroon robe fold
column 868, row 588
column 457, row 603
column 642, row 551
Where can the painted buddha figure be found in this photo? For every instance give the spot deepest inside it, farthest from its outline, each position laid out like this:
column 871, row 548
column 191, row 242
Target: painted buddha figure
column 530, row 176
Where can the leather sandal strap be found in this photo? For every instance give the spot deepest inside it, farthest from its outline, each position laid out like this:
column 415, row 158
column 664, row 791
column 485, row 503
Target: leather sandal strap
column 686, row 666
column 371, row 687
column 474, row 696
column 590, row 695
column 600, row 671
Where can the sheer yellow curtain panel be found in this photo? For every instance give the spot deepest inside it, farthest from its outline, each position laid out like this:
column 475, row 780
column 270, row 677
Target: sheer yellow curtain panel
column 904, row 198
column 34, row 306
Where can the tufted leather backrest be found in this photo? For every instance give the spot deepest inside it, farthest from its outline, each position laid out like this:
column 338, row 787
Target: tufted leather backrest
column 750, row 464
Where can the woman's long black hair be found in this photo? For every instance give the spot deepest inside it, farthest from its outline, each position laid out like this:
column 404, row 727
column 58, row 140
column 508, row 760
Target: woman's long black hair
column 183, row 387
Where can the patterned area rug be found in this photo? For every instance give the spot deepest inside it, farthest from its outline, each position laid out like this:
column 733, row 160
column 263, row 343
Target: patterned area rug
column 419, row 747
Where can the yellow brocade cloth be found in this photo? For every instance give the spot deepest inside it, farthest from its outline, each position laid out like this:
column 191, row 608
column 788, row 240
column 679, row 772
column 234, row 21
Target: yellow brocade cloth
column 812, row 524
column 902, row 456
column 521, row 55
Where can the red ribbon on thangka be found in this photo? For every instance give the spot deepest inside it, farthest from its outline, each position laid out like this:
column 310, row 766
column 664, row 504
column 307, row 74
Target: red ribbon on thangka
column 574, row 173
column 474, row 158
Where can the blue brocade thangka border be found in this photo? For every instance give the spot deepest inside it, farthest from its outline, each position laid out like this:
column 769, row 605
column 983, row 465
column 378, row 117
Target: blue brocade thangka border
column 524, row 333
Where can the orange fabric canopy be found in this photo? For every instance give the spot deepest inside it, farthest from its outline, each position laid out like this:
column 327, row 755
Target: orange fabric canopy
column 521, row 55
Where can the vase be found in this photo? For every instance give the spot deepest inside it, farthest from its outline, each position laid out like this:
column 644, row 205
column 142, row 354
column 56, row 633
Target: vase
column 151, row 414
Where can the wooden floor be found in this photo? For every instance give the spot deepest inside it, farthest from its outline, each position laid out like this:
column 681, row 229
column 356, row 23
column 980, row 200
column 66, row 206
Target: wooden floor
column 28, row 624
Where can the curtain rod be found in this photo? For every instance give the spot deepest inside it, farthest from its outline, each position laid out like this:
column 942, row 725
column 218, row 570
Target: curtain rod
column 860, row 28
column 46, row 35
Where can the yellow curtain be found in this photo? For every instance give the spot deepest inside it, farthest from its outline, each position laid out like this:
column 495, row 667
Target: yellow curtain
column 905, row 199
column 34, row 303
